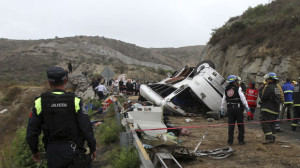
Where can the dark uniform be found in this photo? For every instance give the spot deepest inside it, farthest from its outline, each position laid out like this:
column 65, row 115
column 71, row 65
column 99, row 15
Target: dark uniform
column 296, row 97
column 70, row 67
column 271, row 98
column 235, row 108
column 65, row 125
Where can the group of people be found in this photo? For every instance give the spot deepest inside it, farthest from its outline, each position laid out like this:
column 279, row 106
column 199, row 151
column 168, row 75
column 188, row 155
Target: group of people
column 271, row 95
column 130, row 87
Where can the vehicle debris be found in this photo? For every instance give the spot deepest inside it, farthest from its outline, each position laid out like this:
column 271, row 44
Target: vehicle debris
column 220, row 153
column 189, row 90
column 3, row 111
column 189, row 120
column 200, row 142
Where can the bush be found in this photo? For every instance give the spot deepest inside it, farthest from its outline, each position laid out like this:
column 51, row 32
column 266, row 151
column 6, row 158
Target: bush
column 161, row 71
column 19, row 154
column 121, row 68
column 11, row 95
column 108, row 132
column 127, row 158
column 256, row 12
column 237, row 26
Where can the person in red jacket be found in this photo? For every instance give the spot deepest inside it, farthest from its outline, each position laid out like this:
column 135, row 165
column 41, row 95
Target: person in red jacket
column 251, row 96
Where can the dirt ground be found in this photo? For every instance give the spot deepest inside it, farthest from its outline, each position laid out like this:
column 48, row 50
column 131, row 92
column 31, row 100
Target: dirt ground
column 253, row 154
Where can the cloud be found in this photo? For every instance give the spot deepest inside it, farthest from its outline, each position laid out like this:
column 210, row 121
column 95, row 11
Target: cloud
column 147, row 23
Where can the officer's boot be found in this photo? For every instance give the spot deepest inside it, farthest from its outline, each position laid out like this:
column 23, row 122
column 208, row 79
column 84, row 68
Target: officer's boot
column 269, row 139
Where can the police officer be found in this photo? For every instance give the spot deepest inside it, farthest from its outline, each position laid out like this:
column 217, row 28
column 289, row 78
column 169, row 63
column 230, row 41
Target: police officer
column 236, row 101
column 64, row 122
column 296, row 97
column 272, row 96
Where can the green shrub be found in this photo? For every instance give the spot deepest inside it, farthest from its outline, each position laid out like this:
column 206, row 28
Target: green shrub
column 18, row 154
column 108, row 132
column 121, row 68
column 256, row 12
column 127, row 158
column 237, row 26
column 161, row 71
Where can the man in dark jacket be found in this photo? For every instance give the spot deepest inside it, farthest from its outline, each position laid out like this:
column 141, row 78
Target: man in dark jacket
column 64, row 122
column 70, row 67
column 296, row 97
column 271, row 98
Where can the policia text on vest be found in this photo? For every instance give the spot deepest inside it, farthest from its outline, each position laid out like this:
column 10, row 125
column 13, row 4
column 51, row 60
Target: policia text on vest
column 65, row 125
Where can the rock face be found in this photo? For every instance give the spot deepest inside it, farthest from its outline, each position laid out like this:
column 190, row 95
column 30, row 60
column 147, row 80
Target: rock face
column 79, row 83
column 251, row 64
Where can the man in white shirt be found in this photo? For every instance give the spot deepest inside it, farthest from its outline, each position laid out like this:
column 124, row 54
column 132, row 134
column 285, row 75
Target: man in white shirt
column 100, row 90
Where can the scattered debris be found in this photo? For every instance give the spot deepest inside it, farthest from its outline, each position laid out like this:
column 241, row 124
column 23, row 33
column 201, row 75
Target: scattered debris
column 166, row 160
column 185, row 132
column 3, row 111
column 220, row 153
column 189, row 120
column 285, row 146
column 210, row 119
column 200, row 142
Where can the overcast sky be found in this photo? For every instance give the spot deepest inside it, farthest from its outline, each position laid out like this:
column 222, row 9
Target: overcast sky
column 146, row 23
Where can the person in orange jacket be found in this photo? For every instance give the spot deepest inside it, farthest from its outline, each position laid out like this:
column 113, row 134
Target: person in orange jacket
column 251, row 96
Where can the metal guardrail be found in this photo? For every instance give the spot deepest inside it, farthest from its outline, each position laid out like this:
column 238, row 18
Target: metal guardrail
column 129, row 136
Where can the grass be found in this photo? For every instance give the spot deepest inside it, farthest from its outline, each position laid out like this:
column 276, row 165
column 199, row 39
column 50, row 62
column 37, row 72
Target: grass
column 18, row 153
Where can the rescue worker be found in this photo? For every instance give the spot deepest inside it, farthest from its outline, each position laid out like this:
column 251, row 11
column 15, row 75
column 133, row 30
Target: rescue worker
column 272, row 95
column 296, row 98
column 235, row 101
column 251, row 96
column 65, row 125
column 288, row 89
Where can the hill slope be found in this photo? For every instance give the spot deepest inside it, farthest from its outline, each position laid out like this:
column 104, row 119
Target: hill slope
column 27, row 60
column 263, row 39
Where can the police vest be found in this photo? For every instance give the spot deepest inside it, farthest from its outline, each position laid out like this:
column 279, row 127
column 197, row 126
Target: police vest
column 59, row 117
column 232, row 96
column 296, row 95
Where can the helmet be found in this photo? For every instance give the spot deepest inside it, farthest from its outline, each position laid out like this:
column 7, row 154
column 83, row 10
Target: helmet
column 271, row 75
column 231, row 78
column 253, row 84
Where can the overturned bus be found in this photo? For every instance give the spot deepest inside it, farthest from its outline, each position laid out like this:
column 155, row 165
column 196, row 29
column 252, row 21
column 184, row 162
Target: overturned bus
column 189, row 90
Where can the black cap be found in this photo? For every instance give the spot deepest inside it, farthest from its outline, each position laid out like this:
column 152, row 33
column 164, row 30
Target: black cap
column 56, row 74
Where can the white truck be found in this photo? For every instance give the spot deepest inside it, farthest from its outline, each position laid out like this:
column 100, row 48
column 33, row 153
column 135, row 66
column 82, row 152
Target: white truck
column 189, row 90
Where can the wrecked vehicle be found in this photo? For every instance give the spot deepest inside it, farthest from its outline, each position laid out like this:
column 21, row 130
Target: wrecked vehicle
column 189, row 90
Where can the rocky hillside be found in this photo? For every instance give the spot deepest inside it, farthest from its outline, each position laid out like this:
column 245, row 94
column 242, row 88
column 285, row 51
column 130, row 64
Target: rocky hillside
column 27, row 60
column 265, row 38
